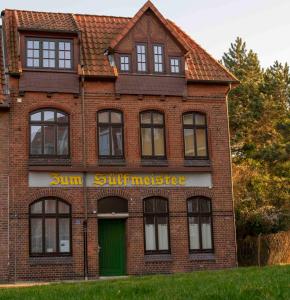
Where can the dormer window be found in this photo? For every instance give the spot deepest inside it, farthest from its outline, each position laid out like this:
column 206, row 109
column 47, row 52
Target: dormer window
column 158, row 58
column 141, row 58
column 175, row 65
column 124, row 63
column 49, row 54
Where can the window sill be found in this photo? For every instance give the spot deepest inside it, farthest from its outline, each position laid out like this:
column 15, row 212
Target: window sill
column 154, row 162
column 56, row 260
column 202, row 256
column 45, row 161
column 158, row 257
column 111, row 162
column 197, row 163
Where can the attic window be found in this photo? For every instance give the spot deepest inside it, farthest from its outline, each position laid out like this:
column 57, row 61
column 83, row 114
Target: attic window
column 125, row 63
column 49, row 53
column 141, row 58
column 175, row 65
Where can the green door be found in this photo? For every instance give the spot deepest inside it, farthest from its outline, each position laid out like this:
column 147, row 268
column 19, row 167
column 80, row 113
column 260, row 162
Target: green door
column 112, row 255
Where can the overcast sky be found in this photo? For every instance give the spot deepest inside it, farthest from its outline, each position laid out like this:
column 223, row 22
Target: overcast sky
column 263, row 24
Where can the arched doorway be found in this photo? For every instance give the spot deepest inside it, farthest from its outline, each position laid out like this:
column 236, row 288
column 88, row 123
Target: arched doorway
column 112, row 214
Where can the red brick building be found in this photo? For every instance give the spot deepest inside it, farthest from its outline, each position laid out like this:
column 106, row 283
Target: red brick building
column 114, row 148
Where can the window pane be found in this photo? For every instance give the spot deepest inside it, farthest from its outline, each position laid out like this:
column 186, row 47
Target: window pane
column 64, row 235
column 49, row 116
column 36, row 140
column 36, row 208
column 62, row 140
column 67, row 46
column 162, row 233
column 146, row 141
column 189, row 142
column 62, row 118
column 50, row 235
column 30, row 62
column 161, row 206
column 61, row 45
column 104, row 143
column 206, row 232
column 193, row 233
column 159, row 141
column 201, row 142
column 116, row 117
column 117, row 141
column 146, row 118
column 36, row 117
column 49, row 139
column 67, row 64
column 63, row 208
column 204, row 205
column 157, row 118
column 36, row 235
column 192, row 206
column 50, row 206
column 188, row 119
column 104, row 117
column 30, row 44
column 150, row 241
column 149, row 205
column 199, row 119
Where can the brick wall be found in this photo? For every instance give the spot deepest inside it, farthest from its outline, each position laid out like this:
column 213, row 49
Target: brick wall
column 100, row 95
column 4, row 119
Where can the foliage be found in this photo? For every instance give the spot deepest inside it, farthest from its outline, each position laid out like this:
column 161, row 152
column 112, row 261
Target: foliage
column 260, row 131
column 243, row 284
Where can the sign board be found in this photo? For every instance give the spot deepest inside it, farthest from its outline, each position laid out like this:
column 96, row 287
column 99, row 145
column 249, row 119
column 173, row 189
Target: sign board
column 39, row 179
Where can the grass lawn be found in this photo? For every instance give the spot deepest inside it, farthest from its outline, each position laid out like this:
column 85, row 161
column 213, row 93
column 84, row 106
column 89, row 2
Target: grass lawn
column 244, row 283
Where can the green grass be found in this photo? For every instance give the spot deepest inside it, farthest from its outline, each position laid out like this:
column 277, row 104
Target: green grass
column 244, row 283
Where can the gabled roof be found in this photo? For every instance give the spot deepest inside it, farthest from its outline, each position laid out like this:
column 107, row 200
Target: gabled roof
column 99, row 33
column 147, row 6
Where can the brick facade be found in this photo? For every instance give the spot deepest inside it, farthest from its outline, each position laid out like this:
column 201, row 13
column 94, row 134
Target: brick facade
column 209, row 98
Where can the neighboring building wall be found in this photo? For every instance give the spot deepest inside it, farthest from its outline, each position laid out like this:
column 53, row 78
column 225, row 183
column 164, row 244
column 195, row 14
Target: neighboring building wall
column 4, row 126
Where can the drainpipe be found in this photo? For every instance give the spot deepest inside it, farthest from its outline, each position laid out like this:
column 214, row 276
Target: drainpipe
column 231, row 173
column 84, row 150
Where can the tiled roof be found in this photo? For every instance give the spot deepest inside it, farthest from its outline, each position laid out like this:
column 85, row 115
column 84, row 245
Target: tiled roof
column 200, row 64
column 46, row 21
column 98, row 33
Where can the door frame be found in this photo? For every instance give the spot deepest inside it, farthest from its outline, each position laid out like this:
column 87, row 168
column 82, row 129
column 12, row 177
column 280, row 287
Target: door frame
column 115, row 217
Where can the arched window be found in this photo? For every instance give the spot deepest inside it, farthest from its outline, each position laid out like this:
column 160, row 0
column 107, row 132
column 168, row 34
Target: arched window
column 200, row 224
column 110, row 134
column 195, row 136
column 50, row 227
column 49, row 133
column 152, row 134
column 156, row 225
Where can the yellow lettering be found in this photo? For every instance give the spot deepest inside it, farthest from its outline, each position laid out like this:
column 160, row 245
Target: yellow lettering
column 181, row 180
column 76, row 180
column 147, row 180
column 112, row 180
column 137, row 180
column 126, row 179
column 173, row 180
column 167, row 180
column 159, row 180
column 120, row 179
column 100, row 180
column 64, row 180
column 56, row 179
